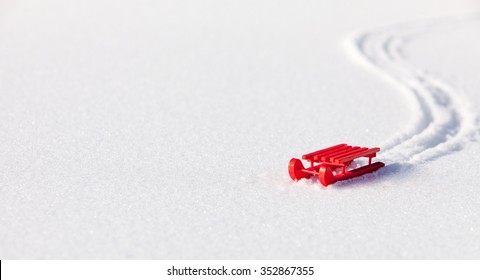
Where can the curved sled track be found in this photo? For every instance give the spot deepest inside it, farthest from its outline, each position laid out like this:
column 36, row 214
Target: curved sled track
column 443, row 122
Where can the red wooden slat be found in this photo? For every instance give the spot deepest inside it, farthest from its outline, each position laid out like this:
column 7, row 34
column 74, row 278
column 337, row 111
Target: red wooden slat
column 307, row 156
column 357, row 155
column 333, row 152
column 327, row 156
column 353, row 151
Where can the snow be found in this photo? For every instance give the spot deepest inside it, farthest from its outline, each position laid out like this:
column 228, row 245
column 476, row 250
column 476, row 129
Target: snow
column 163, row 129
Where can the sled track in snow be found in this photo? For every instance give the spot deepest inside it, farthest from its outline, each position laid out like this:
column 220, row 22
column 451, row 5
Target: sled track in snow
column 443, row 123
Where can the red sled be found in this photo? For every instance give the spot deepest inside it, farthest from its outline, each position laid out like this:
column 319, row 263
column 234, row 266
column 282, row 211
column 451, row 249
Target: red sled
column 336, row 158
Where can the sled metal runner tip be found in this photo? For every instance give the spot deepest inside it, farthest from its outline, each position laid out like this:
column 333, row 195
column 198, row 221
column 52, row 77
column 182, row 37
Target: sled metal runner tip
column 330, row 164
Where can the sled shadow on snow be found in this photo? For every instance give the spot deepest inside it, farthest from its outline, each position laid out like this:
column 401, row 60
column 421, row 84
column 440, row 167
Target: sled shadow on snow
column 382, row 175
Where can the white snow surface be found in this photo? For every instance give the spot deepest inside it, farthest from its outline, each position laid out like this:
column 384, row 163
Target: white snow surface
column 163, row 129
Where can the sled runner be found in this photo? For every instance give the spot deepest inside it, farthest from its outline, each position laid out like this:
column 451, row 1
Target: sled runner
column 330, row 164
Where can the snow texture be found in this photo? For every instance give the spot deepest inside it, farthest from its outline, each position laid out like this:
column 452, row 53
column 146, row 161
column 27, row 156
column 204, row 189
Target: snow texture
column 446, row 122
column 163, row 129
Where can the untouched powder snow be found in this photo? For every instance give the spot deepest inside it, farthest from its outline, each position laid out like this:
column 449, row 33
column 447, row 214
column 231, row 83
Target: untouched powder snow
column 163, row 129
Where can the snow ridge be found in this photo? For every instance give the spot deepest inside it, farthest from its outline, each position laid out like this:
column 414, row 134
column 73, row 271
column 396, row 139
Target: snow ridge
column 444, row 122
